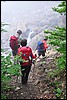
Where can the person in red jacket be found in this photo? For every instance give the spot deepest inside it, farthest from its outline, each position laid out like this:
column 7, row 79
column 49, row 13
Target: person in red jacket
column 45, row 45
column 26, row 54
column 14, row 42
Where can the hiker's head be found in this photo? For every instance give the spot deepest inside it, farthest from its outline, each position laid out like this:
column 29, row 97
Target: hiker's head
column 23, row 42
column 45, row 39
column 19, row 32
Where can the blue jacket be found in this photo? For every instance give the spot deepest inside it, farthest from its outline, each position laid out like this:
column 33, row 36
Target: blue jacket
column 40, row 46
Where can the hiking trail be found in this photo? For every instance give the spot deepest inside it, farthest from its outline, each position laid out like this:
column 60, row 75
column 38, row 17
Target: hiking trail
column 38, row 86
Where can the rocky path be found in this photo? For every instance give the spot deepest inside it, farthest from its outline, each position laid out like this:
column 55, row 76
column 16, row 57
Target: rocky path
column 38, row 86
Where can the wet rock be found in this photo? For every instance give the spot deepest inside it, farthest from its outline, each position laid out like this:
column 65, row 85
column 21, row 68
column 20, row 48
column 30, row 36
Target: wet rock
column 46, row 92
column 17, row 88
column 37, row 82
column 46, row 70
column 50, row 58
column 50, row 70
column 21, row 93
column 38, row 60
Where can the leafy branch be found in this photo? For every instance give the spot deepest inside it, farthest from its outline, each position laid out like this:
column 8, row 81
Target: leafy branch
column 61, row 8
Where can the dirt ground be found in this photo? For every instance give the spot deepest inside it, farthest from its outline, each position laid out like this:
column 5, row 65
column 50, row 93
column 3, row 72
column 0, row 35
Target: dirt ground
column 39, row 83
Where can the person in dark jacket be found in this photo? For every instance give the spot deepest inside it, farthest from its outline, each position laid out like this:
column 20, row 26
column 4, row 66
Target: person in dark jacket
column 27, row 55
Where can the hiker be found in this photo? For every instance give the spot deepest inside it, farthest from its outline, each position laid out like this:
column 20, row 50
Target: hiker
column 26, row 53
column 41, row 47
column 15, row 42
column 45, row 44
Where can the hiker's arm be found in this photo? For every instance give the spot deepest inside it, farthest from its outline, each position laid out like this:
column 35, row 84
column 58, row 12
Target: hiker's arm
column 33, row 55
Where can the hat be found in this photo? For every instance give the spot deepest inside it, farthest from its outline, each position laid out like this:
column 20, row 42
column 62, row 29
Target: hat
column 45, row 39
column 19, row 32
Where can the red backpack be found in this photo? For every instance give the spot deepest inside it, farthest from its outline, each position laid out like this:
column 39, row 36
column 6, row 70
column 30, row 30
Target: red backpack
column 13, row 42
column 26, row 55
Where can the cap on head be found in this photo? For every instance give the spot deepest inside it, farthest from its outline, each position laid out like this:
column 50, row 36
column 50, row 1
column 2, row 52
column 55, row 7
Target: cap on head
column 19, row 32
column 45, row 39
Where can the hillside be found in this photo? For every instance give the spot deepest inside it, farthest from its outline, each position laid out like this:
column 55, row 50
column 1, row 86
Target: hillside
column 41, row 85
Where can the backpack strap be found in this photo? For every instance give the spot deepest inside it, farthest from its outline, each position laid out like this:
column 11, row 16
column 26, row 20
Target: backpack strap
column 30, row 56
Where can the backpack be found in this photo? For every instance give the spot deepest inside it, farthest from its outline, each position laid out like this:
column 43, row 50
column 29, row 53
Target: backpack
column 26, row 55
column 40, row 46
column 14, row 42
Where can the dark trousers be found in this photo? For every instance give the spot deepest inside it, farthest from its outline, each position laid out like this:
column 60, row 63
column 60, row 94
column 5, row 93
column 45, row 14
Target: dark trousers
column 25, row 72
column 42, row 53
column 14, row 52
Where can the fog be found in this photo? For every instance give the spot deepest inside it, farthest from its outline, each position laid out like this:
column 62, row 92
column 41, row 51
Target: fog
column 33, row 15
column 15, row 11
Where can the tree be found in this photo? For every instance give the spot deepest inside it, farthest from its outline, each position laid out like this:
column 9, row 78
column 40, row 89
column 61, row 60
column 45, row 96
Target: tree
column 57, row 38
column 61, row 8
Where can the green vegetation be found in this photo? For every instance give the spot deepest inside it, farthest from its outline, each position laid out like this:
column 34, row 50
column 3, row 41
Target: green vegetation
column 58, row 92
column 8, row 69
column 61, row 8
column 57, row 38
column 2, row 27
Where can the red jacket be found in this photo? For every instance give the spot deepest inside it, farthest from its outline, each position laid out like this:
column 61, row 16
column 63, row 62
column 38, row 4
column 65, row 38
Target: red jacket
column 45, row 44
column 26, row 55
